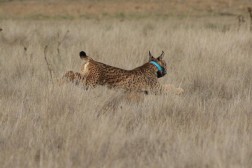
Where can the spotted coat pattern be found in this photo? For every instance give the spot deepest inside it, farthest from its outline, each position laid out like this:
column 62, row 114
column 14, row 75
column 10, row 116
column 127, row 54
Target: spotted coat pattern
column 141, row 79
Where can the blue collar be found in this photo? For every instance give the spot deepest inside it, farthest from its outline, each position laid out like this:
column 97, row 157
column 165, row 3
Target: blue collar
column 157, row 65
column 161, row 70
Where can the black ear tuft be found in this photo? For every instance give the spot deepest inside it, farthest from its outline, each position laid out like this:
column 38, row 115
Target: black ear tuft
column 150, row 56
column 83, row 54
column 161, row 56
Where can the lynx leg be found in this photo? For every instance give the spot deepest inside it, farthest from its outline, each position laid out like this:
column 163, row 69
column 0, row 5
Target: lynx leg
column 67, row 77
column 91, row 81
column 70, row 76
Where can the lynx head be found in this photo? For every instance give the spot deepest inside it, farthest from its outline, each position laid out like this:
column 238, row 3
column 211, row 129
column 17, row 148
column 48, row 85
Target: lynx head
column 159, row 63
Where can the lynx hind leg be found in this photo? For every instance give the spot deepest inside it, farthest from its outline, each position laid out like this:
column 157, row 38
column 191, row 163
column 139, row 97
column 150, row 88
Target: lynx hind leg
column 172, row 89
column 71, row 76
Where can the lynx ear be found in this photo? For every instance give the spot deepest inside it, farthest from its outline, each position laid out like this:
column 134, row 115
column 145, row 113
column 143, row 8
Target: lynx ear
column 150, row 56
column 161, row 56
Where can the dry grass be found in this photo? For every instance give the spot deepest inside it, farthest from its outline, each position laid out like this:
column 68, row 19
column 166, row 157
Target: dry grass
column 43, row 125
column 69, row 9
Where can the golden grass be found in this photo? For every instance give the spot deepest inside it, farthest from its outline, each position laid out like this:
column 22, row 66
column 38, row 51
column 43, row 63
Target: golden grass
column 43, row 125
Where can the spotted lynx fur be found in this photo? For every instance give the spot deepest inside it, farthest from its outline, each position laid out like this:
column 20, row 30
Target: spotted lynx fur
column 141, row 79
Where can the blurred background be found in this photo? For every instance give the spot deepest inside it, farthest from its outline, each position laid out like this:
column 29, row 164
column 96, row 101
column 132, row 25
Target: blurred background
column 100, row 9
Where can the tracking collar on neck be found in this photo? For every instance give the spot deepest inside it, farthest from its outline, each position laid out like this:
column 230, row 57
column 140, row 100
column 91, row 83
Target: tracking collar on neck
column 161, row 71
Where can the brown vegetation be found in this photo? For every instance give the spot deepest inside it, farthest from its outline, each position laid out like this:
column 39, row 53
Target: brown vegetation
column 250, row 15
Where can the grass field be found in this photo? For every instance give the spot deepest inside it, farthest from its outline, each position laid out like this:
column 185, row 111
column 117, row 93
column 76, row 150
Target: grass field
column 99, row 9
column 46, row 125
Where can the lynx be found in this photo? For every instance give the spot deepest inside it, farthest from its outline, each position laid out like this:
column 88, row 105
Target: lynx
column 141, row 79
